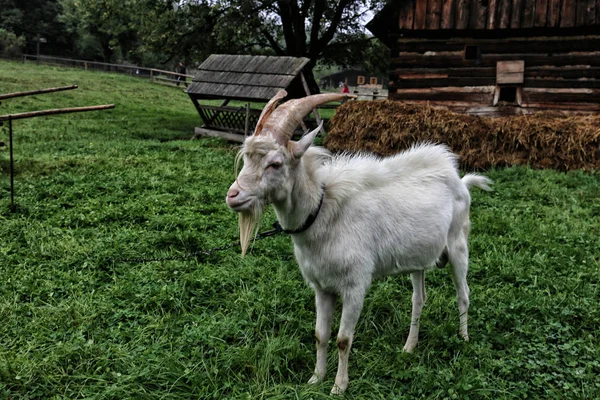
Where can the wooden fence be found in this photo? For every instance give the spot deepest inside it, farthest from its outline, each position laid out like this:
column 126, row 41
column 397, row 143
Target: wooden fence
column 152, row 74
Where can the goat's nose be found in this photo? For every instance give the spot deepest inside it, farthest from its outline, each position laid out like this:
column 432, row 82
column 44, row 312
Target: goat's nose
column 232, row 193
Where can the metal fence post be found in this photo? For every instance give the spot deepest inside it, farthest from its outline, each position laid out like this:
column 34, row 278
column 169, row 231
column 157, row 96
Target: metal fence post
column 11, row 165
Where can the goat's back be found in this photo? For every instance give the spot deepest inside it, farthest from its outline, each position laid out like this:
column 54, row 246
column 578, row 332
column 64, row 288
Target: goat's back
column 387, row 215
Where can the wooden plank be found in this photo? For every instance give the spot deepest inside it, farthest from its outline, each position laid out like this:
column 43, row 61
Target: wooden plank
column 580, row 12
column 406, row 13
column 420, row 21
column 448, row 11
column 489, row 60
column 232, row 137
column 443, row 95
column 463, row 9
column 554, row 13
column 517, row 12
column 541, row 11
column 563, row 83
column 444, row 82
column 590, row 15
column 551, row 45
column 446, row 72
column 55, row 111
column 510, row 72
column 566, row 44
column 563, row 72
column 564, row 107
column 32, row 92
column 491, row 18
column 567, row 14
column 478, row 14
column 528, row 14
column 504, row 10
column 537, row 96
column 434, row 11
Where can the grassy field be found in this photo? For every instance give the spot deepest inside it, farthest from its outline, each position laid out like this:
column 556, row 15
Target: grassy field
column 98, row 186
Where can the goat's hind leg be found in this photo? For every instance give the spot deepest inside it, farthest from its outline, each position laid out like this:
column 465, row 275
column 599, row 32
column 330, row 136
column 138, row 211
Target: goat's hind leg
column 325, row 303
column 418, row 300
column 458, row 253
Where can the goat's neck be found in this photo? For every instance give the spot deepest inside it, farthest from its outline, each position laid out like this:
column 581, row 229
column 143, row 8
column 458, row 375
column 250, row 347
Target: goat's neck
column 303, row 198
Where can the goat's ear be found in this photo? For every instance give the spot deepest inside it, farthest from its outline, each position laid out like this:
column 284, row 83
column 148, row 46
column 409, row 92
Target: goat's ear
column 299, row 148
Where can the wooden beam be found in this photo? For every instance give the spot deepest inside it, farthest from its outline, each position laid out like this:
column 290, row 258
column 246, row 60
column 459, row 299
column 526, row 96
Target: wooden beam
column 32, row 92
column 554, row 13
column 420, row 21
column 447, row 18
column 517, row 12
column 541, row 10
column 434, row 11
column 40, row 113
column 528, row 14
column 463, row 9
column 315, row 111
column 567, row 14
column 491, row 18
column 504, row 10
column 478, row 17
column 232, row 137
column 406, row 14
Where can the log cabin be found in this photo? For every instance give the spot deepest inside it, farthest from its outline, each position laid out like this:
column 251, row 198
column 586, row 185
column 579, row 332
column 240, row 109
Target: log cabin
column 493, row 57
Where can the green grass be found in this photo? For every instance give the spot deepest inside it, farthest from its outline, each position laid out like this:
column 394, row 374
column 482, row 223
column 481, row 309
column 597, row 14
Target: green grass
column 128, row 183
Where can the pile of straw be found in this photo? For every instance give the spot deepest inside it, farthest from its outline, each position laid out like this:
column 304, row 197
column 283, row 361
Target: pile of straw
column 544, row 140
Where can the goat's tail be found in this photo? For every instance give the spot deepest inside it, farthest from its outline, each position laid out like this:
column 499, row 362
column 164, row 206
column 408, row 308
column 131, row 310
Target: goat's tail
column 477, row 180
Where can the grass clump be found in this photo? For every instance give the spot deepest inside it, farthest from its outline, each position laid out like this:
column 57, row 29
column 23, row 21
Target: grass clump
column 98, row 186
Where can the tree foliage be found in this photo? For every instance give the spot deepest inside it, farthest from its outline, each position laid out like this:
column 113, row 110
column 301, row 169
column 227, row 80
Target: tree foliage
column 321, row 30
column 163, row 32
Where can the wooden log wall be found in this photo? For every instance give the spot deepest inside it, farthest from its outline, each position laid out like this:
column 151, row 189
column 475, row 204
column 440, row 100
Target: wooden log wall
column 496, row 14
column 560, row 72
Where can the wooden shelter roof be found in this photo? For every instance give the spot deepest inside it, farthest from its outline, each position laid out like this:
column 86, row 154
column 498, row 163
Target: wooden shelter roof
column 423, row 17
column 242, row 77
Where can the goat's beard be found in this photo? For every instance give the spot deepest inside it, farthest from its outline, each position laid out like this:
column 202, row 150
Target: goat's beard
column 249, row 221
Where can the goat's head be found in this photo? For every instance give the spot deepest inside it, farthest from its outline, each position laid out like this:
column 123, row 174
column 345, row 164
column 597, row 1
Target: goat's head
column 271, row 159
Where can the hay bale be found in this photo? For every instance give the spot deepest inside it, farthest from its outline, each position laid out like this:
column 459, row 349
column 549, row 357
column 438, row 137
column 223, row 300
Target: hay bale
column 545, row 140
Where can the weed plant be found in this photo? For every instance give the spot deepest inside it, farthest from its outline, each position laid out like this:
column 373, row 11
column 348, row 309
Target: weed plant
column 95, row 187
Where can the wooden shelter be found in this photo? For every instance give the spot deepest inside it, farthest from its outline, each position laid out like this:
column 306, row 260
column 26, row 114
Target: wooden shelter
column 246, row 79
column 494, row 57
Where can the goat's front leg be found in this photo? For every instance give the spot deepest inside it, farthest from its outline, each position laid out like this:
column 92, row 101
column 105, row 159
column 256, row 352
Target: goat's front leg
column 418, row 299
column 325, row 303
column 353, row 303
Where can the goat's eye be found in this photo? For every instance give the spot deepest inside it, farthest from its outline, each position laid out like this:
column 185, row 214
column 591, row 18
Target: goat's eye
column 274, row 165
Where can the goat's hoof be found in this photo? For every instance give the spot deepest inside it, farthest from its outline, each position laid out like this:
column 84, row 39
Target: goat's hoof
column 314, row 380
column 409, row 348
column 337, row 391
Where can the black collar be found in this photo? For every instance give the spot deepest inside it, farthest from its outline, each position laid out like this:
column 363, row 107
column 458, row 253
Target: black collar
column 309, row 221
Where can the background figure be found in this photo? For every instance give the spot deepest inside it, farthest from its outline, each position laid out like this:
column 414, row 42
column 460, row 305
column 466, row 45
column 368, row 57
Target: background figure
column 181, row 69
column 345, row 88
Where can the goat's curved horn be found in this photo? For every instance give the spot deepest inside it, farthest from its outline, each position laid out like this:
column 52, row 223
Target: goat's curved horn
column 282, row 122
column 269, row 108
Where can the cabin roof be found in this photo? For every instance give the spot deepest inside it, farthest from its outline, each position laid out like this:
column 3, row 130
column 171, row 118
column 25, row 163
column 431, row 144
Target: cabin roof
column 244, row 77
column 498, row 17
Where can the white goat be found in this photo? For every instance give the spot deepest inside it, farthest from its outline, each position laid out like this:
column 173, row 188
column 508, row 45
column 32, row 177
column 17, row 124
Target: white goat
column 355, row 218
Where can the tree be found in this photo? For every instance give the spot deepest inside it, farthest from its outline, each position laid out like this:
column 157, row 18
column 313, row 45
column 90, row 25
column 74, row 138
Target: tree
column 317, row 29
column 31, row 19
column 104, row 28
